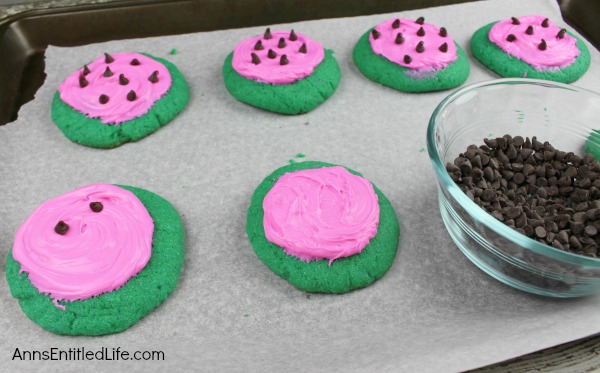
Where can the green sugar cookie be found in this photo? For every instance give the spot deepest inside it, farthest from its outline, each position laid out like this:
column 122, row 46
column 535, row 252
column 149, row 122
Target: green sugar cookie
column 344, row 273
column 280, row 71
column 117, row 310
column 399, row 37
column 507, row 66
column 91, row 90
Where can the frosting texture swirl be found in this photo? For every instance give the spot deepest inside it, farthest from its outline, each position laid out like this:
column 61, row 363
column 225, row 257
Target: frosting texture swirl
column 99, row 251
column 324, row 213
column 106, row 94
column 302, row 56
column 535, row 40
column 413, row 44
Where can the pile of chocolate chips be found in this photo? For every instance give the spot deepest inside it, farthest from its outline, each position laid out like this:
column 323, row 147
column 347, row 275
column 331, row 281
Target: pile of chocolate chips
column 547, row 194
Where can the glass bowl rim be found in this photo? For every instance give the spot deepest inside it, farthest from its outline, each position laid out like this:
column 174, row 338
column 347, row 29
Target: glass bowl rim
column 482, row 216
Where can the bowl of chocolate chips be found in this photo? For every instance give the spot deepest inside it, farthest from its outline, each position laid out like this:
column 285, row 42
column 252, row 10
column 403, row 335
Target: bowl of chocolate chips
column 519, row 183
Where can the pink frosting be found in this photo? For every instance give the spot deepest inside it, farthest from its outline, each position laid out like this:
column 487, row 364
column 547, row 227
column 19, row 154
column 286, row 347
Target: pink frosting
column 119, row 108
column 99, row 252
column 432, row 58
column 271, row 70
column 324, row 213
column 558, row 52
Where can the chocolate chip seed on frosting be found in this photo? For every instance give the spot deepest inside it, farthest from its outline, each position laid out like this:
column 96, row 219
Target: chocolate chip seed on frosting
column 293, row 36
column 255, row 59
column 271, row 54
column 529, row 30
column 86, row 70
column 268, row 34
column 421, row 31
column 108, row 58
column 154, row 77
column 420, row 47
column 420, row 20
column 123, row 80
column 283, row 60
column 108, row 72
column 303, row 48
column 399, row 38
column 131, row 96
column 375, row 34
column 82, row 81
column 61, row 228
column 258, row 46
column 281, row 43
column 135, row 62
column 96, row 206
column 396, row 24
column 103, row 99
column 443, row 32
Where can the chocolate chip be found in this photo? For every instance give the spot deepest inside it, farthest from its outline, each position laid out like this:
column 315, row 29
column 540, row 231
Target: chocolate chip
column 61, row 228
column 108, row 58
column 444, row 48
column 561, row 34
column 293, row 36
column 420, row 47
column 153, row 78
column 281, row 43
column 420, row 20
column 303, row 48
column 529, row 30
column 511, row 38
column 271, row 54
column 258, row 46
column 443, row 32
column 86, row 70
column 543, row 46
column 399, row 38
column 515, row 21
column 545, row 23
column 421, row 31
column 135, row 62
column 107, row 72
column 255, row 59
column 123, row 80
column 407, row 58
column 131, row 96
column 82, row 81
column 283, row 60
column 96, row 206
column 103, row 99
column 268, row 34
column 396, row 24
column 375, row 34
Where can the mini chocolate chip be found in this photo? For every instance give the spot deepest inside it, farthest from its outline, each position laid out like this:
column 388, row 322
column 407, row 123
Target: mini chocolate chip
column 561, row 34
column 529, row 30
column 545, row 23
column 590, row 230
column 135, row 62
column 131, row 96
column 271, row 54
column 421, row 31
column 86, row 70
column 108, row 58
column 268, row 34
column 293, row 36
column 420, row 20
column 443, row 32
column 511, row 38
column 281, row 43
column 61, row 228
column 283, row 60
column 303, row 48
column 542, row 46
column 444, row 48
column 103, row 99
column 515, row 21
column 407, row 58
column 82, row 81
column 258, row 46
column 420, row 47
column 96, row 206
column 396, row 24
column 123, row 80
column 399, row 38
column 375, row 34
column 108, row 72
column 255, row 59
column 540, row 232
column 153, row 78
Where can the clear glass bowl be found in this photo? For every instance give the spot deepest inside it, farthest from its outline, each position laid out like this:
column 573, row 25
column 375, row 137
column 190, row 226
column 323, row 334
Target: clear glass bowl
column 558, row 113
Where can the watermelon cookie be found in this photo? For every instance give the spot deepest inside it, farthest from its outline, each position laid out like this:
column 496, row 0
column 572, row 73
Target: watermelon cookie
column 322, row 227
column 119, row 98
column 281, row 71
column 411, row 56
column 96, row 260
column 531, row 47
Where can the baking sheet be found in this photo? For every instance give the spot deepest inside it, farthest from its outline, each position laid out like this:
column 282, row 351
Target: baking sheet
column 433, row 311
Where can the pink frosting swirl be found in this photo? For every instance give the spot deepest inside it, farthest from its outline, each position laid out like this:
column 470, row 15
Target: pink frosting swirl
column 386, row 42
column 98, row 252
column 324, row 213
column 119, row 108
column 558, row 51
column 300, row 62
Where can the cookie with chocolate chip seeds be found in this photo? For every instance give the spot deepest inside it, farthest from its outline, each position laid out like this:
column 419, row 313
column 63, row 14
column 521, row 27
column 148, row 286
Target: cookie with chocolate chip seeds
column 531, row 47
column 119, row 98
column 411, row 56
column 281, row 71
column 96, row 260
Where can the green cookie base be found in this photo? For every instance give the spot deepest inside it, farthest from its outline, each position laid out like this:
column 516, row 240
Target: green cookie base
column 508, row 66
column 344, row 274
column 299, row 97
column 91, row 132
column 115, row 311
column 383, row 71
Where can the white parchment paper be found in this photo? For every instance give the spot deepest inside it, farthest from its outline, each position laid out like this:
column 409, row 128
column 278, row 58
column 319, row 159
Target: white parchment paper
column 433, row 311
